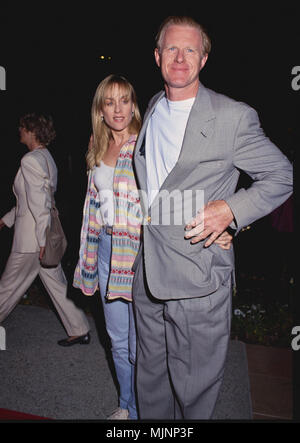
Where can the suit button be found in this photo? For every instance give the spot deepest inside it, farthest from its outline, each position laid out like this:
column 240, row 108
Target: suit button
column 149, row 219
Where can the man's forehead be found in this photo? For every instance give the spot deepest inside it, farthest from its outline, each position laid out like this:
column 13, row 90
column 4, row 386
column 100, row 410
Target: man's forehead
column 186, row 32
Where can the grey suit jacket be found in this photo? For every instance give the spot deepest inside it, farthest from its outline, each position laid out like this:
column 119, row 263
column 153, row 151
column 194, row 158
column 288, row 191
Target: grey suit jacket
column 222, row 137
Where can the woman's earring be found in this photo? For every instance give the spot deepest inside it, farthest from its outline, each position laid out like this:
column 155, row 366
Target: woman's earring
column 102, row 118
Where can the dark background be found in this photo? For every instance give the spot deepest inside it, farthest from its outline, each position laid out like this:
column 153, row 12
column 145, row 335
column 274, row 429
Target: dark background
column 51, row 54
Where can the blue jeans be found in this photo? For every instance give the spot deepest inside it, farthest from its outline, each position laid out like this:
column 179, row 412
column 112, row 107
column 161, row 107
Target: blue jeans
column 120, row 326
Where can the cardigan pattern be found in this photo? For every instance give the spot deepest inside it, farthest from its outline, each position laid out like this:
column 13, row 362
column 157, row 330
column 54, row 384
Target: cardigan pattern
column 125, row 236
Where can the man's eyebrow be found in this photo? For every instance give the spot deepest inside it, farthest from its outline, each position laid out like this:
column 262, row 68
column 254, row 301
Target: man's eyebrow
column 186, row 47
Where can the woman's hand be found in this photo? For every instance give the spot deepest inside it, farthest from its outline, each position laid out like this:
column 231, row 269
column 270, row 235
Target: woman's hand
column 42, row 252
column 224, row 240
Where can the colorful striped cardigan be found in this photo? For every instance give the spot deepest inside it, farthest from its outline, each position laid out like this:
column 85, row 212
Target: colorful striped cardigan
column 126, row 231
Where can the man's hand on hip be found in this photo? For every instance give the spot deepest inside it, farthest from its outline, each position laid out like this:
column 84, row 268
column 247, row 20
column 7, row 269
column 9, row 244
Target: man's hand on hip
column 210, row 222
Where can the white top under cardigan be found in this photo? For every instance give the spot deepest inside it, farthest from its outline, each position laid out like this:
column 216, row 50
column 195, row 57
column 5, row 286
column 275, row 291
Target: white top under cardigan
column 103, row 179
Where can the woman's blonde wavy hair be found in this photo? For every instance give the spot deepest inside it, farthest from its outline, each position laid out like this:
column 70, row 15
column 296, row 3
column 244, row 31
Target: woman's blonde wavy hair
column 101, row 132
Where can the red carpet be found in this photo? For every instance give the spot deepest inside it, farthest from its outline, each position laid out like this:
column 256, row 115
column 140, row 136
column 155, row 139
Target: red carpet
column 7, row 414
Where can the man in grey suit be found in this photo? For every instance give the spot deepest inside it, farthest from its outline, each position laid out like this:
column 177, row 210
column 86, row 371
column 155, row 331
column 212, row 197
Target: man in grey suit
column 193, row 139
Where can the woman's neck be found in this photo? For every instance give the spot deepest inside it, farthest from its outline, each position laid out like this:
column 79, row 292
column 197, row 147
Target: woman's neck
column 35, row 145
column 119, row 138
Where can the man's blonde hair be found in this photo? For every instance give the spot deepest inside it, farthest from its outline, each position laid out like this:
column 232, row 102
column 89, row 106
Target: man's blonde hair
column 101, row 132
column 183, row 21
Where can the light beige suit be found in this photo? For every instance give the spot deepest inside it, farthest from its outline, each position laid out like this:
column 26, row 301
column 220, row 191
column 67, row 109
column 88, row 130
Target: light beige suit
column 30, row 218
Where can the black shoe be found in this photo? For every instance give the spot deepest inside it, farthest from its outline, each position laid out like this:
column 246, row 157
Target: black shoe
column 82, row 340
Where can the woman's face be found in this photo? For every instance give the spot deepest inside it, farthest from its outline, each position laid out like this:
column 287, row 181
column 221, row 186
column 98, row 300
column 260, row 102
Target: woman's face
column 25, row 136
column 117, row 109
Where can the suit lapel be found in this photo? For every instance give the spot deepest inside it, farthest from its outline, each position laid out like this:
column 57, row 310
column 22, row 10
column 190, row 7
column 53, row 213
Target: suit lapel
column 199, row 128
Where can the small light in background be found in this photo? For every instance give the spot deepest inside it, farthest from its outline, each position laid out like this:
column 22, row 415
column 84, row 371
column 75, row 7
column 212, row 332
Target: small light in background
column 103, row 57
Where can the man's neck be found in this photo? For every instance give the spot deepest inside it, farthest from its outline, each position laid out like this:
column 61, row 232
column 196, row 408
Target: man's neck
column 178, row 94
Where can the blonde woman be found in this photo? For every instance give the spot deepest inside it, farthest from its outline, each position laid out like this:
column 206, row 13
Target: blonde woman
column 111, row 226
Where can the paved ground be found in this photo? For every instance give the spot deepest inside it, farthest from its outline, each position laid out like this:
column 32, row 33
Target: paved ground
column 39, row 377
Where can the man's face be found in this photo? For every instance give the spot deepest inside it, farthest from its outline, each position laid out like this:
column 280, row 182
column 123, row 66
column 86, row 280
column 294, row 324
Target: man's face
column 180, row 57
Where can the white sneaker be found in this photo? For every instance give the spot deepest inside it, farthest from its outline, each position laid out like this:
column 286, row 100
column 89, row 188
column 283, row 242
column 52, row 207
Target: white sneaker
column 119, row 414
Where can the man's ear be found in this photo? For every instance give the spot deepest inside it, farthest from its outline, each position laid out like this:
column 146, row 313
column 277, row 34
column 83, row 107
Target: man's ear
column 203, row 61
column 157, row 57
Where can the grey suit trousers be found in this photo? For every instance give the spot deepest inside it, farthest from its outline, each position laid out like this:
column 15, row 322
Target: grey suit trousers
column 181, row 351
